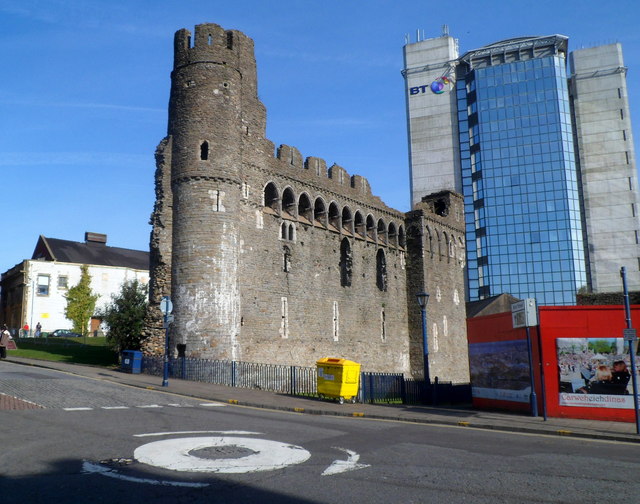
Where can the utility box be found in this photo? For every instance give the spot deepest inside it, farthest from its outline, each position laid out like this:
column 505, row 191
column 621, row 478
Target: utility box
column 131, row 361
column 338, row 379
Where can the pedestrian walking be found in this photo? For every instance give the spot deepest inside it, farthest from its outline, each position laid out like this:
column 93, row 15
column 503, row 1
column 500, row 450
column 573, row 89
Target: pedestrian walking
column 5, row 336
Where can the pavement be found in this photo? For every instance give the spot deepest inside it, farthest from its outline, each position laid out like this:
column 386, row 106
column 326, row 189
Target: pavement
column 459, row 417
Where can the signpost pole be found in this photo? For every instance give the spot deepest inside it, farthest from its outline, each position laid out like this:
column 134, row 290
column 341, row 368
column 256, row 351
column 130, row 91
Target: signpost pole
column 524, row 314
column 630, row 336
column 533, row 398
column 166, row 307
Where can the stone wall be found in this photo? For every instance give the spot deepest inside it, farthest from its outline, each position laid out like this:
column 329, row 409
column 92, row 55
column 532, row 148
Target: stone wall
column 279, row 259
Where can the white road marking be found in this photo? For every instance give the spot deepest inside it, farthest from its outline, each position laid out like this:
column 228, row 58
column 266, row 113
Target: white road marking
column 212, row 404
column 148, row 406
column 77, row 409
column 174, row 454
column 115, row 407
column 238, row 432
column 91, row 468
column 340, row 466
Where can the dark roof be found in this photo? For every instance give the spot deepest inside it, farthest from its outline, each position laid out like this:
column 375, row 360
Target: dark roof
column 495, row 304
column 91, row 253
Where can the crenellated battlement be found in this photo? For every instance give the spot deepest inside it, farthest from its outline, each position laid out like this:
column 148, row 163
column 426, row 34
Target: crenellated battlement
column 211, row 43
column 291, row 156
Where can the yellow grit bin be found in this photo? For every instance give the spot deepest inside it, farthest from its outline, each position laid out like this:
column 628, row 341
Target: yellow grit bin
column 338, row 379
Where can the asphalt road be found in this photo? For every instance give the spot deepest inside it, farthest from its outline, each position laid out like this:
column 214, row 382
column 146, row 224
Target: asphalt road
column 95, row 442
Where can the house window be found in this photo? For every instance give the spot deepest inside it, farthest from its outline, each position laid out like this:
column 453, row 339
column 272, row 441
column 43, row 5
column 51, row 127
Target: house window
column 43, row 285
column 63, row 282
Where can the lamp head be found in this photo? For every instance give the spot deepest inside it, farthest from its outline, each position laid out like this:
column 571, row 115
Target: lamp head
column 423, row 299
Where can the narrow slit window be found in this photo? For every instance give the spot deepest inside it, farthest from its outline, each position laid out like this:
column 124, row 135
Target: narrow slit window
column 284, row 323
column 204, row 151
column 286, row 259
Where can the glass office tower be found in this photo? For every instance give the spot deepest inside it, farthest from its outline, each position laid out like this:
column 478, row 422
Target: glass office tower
column 545, row 162
column 519, row 178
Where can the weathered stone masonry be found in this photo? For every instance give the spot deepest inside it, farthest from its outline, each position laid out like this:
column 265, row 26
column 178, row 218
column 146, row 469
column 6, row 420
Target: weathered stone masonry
column 279, row 259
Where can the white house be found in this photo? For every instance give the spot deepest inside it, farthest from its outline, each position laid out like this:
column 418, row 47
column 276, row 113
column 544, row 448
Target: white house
column 33, row 291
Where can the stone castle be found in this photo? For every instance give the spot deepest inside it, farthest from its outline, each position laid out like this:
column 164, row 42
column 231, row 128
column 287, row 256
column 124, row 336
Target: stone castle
column 280, row 259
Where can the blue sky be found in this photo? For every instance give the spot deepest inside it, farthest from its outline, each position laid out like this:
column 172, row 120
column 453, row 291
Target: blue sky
column 84, row 88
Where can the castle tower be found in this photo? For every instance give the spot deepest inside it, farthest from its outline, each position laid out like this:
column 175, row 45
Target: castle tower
column 213, row 89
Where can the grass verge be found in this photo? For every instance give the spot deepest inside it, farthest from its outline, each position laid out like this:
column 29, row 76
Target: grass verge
column 79, row 350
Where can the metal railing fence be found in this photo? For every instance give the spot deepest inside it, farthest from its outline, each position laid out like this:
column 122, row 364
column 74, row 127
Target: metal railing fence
column 375, row 388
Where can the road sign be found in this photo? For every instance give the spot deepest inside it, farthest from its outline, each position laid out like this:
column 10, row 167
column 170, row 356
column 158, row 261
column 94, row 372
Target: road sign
column 524, row 313
column 168, row 320
column 629, row 334
column 166, row 306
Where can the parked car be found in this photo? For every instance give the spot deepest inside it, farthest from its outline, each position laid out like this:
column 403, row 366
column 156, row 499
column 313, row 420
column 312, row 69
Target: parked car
column 64, row 333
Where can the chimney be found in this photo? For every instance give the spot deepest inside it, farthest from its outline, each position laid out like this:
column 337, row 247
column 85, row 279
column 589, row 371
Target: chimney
column 95, row 238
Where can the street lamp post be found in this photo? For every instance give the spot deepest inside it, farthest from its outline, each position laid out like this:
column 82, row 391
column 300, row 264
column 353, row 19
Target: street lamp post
column 423, row 299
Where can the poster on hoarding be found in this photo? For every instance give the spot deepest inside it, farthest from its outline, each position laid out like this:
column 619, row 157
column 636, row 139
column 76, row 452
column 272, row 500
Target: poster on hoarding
column 500, row 370
column 595, row 372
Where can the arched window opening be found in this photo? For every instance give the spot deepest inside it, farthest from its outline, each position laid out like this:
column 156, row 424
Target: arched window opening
column 286, row 259
column 359, row 225
column 371, row 228
column 444, row 249
column 461, row 253
column 393, row 235
column 381, row 270
column 452, row 249
column 382, row 232
column 204, row 151
column 334, row 217
column 439, row 244
column 346, row 263
column 272, row 198
column 402, row 239
column 287, row 231
column 289, row 202
column 305, row 214
column 347, row 221
column 319, row 213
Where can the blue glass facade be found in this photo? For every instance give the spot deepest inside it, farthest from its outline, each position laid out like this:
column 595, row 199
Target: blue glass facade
column 520, row 185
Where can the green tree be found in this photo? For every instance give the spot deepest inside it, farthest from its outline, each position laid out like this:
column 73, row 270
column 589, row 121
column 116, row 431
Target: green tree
column 602, row 346
column 81, row 302
column 125, row 316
